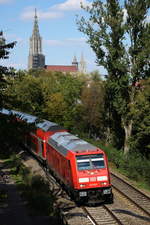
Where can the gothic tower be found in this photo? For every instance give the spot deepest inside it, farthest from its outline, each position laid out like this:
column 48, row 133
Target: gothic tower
column 36, row 59
column 75, row 62
column 82, row 64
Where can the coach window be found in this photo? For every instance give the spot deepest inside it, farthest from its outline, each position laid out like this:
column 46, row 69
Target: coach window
column 33, row 146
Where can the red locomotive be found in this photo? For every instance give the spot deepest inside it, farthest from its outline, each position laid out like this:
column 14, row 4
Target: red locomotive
column 81, row 167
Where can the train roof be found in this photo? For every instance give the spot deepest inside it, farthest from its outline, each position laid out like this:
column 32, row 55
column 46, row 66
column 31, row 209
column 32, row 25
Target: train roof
column 64, row 141
column 24, row 116
column 43, row 124
column 49, row 126
column 5, row 111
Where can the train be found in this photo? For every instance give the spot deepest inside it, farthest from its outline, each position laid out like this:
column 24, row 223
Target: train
column 79, row 166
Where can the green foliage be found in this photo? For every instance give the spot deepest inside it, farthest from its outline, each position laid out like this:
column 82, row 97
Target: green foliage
column 134, row 165
column 14, row 161
column 140, row 141
column 12, row 134
column 91, row 107
column 34, row 188
column 122, row 47
column 105, row 34
column 25, row 93
column 39, row 195
column 49, row 95
column 4, row 71
column 37, row 192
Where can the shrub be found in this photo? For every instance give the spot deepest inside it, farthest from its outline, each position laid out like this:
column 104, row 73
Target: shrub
column 134, row 165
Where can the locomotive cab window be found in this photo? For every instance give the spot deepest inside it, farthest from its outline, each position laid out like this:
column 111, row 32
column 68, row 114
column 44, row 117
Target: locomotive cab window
column 90, row 162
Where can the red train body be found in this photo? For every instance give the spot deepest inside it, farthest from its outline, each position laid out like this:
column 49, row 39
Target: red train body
column 37, row 141
column 82, row 168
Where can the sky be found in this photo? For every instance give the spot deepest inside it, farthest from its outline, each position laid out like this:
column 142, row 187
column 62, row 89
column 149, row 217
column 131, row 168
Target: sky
column 61, row 39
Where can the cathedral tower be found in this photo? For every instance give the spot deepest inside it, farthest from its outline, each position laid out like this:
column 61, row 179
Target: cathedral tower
column 82, row 64
column 36, row 59
column 75, row 62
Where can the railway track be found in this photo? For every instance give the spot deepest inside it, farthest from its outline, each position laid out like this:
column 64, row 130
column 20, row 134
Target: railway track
column 136, row 197
column 103, row 214
column 71, row 213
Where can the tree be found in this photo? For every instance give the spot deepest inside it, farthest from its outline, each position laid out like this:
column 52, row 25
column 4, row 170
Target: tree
column 4, row 71
column 91, row 106
column 63, row 93
column 141, row 115
column 121, row 42
column 56, row 107
column 26, row 94
column 50, row 95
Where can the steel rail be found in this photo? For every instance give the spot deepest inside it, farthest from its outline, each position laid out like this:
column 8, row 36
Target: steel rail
column 131, row 200
column 90, row 217
column 113, row 215
column 134, row 188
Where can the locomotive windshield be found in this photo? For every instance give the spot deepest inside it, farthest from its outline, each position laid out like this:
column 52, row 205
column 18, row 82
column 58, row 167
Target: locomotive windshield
column 89, row 162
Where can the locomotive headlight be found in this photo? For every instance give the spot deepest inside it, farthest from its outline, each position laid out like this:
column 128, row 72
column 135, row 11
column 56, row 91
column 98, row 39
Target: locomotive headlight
column 102, row 178
column 83, row 180
column 82, row 185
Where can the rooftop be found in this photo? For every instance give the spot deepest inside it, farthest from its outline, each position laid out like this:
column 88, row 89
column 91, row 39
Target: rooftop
column 61, row 68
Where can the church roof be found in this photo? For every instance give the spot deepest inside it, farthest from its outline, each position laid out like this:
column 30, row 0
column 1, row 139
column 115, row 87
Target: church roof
column 61, row 68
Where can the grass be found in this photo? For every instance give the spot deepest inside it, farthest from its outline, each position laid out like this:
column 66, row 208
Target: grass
column 33, row 188
column 134, row 166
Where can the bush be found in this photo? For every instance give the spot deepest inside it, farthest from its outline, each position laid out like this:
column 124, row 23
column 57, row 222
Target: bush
column 40, row 201
column 134, row 165
column 36, row 190
column 38, row 183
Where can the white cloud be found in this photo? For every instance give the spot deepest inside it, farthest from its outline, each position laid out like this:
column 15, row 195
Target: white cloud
column 54, row 12
column 50, row 15
column 53, row 42
column 71, row 5
column 5, row 1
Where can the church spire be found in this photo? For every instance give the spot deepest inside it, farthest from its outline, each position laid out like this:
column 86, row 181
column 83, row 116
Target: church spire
column 36, row 59
column 36, row 27
column 82, row 64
